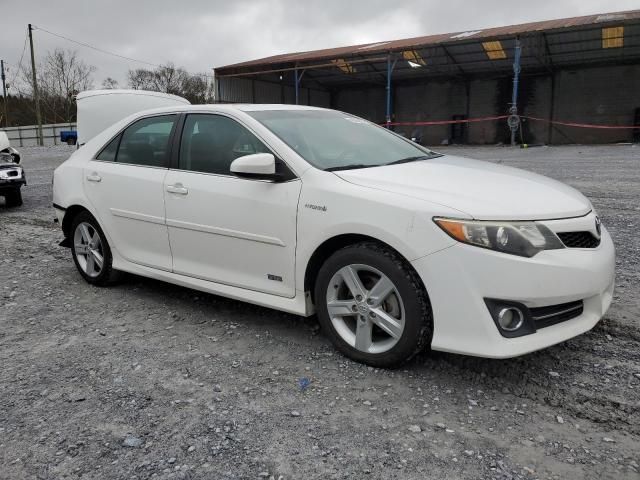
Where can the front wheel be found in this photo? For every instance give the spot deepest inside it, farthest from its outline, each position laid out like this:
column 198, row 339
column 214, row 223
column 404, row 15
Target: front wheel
column 91, row 252
column 373, row 306
column 14, row 198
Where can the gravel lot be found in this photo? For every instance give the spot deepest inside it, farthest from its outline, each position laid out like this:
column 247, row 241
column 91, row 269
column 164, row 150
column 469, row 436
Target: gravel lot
column 149, row 380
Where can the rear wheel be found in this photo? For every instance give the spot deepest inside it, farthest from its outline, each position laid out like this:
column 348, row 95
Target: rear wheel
column 14, row 198
column 373, row 306
column 91, row 252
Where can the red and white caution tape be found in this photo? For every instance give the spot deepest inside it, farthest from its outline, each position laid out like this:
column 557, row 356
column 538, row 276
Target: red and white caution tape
column 502, row 117
column 580, row 125
column 447, row 122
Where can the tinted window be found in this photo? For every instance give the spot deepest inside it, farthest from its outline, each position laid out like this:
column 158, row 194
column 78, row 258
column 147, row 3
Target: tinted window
column 108, row 153
column 211, row 142
column 146, row 142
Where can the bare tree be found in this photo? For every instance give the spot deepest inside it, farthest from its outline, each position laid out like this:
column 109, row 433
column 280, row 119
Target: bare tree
column 140, row 79
column 197, row 89
column 61, row 75
column 171, row 79
column 109, row 83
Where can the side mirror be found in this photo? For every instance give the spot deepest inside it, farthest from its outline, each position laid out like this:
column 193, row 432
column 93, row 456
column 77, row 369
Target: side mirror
column 259, row 166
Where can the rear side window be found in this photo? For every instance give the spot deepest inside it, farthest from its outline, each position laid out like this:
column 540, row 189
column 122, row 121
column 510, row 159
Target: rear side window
column 211, row 142
column 146, row 142
column 108, row 153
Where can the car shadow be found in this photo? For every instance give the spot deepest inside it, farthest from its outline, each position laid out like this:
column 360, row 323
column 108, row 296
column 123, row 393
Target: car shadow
column 298, row 328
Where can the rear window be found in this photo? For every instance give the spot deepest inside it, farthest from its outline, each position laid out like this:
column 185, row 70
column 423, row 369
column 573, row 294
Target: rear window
column 108, row 153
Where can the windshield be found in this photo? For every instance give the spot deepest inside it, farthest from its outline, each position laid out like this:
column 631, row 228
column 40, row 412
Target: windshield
column 331, row 140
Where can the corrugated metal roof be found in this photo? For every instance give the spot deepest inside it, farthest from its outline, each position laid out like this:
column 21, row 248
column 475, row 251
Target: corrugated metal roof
column 448, row 39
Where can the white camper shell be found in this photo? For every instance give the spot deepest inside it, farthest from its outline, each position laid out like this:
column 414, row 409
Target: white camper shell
column 99, row 109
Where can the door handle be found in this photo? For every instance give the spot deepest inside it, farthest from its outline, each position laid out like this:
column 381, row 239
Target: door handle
column 178, row 189
column 94, row 177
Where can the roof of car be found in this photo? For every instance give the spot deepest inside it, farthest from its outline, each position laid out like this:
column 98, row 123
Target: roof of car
column 148, row 93
column 255, row 107
column 248, row 107
column 221, row 107
column 243, row 107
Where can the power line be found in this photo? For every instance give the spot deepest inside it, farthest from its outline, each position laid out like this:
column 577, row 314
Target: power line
column 24, row 49
column 106, row 52
column 96, row 48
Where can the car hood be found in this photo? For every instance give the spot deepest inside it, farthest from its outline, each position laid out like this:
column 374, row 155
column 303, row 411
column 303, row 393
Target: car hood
column 4, row 165
column 483, row 190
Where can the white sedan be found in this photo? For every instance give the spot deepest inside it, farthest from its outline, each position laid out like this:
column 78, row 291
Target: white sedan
column 301, row 209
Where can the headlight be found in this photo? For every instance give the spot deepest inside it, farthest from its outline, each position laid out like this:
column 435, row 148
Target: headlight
column 517, row 238
column 10, row 173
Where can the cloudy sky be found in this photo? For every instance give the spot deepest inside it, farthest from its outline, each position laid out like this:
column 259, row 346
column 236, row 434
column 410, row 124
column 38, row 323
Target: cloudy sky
column 201, row 34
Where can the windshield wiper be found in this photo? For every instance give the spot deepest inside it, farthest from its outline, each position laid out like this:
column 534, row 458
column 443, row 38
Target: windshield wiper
column 352, row 166
column 362, row 165
column 410, row 159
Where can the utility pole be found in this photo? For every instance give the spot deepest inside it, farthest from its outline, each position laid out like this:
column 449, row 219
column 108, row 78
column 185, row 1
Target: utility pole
column 4, row 93
column 36, row 96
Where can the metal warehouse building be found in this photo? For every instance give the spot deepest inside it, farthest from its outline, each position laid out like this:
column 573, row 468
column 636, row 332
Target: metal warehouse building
column 577, row 77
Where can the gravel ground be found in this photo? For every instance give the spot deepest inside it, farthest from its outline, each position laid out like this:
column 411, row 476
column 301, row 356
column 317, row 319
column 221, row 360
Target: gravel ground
column 149, row 380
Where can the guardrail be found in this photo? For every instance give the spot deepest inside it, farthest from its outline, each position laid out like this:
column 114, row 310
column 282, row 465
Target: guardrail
column 27, row 136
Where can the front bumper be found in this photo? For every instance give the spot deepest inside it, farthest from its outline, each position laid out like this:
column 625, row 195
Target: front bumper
column 12, row 178
column 460, row 278
column 11, row 185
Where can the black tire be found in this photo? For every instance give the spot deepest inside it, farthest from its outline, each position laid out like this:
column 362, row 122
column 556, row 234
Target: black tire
column 418, row 327
column 107, row 275
column 14, row 198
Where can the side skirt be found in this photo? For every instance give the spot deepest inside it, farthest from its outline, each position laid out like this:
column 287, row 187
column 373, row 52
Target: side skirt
column 298, row 305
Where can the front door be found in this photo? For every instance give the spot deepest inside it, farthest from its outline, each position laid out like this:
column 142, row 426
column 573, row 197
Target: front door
column 226, row 229
column 125, row 184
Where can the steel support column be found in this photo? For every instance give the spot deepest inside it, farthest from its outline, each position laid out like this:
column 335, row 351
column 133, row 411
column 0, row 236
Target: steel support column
column 514, row 121
column 390, row 67
column 298, row 79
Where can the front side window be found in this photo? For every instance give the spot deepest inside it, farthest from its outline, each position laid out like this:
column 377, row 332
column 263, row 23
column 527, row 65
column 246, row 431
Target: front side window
column 211, row 142
column 146, row 142
column 331, row 140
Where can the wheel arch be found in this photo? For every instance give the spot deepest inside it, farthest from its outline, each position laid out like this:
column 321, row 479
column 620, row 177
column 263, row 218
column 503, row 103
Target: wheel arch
column 72, row 212
column 332, row 245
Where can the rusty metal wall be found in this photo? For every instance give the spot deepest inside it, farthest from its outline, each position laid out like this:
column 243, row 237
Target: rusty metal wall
column 234, row 90
column 248, row 90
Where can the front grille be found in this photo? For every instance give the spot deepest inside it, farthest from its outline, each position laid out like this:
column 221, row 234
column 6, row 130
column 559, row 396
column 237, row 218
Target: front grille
column 579, row 239
column 547, row 316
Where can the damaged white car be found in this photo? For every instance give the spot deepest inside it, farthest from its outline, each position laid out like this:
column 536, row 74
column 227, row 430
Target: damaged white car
column 12, row 176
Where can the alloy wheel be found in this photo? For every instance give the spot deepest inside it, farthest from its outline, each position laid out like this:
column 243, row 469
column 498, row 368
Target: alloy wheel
column 87, row 246
column 365, row 308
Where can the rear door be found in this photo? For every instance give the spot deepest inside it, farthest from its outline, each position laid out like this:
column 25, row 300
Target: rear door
column 125, row 184
column 230, row 230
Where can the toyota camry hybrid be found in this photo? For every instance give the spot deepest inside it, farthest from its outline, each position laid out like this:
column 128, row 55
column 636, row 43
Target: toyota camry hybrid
column 396, row 248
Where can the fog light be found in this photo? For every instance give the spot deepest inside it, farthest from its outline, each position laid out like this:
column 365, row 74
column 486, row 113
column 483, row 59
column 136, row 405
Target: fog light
column 510, row 318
